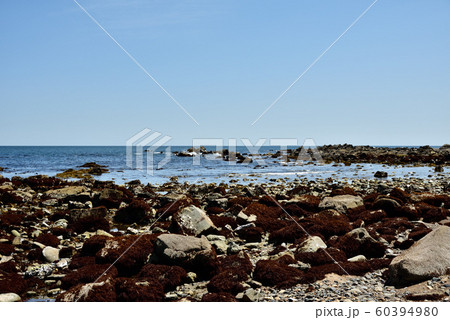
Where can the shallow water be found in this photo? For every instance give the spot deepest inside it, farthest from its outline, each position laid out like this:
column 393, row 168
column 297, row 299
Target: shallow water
column 27, row 161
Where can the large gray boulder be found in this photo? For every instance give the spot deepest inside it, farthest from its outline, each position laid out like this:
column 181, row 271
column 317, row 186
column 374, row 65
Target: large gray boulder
column 341, row 203
column 185, row 251
column 193, row 221
column 429, row 257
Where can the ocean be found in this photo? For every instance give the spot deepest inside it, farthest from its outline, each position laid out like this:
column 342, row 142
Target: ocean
column 49, row 160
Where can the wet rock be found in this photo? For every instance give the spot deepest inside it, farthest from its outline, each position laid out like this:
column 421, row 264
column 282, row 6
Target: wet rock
column 192, row 221
column 9, row 297
column 341, row 203
column 50, row 254
column 312, row 244
column 381, row 174
column 427, row 258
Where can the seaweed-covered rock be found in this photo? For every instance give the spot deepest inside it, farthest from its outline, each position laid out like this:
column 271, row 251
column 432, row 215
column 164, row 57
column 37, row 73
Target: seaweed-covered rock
column 89, row 273
column 168, row 276
column 136, row 211
column 139, row 290
column 359, row 241
column 103, row 291
column 272, row 273
column 128, row 253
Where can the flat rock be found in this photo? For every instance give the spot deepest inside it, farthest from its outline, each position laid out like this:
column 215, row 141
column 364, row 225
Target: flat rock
column 341, row 203
column 183, row 250
column 427, row 258
column 66, row 192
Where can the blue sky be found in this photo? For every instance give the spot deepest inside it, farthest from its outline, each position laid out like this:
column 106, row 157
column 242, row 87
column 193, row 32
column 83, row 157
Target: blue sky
column 63, row 81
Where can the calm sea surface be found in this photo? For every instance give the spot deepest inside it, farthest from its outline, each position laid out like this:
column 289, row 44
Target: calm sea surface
column 26, row 161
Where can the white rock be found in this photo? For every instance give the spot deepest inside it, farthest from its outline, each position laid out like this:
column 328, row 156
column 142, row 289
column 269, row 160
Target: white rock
column 9, row 297
column 357, row 258
column 50, row 254
column 312, row 244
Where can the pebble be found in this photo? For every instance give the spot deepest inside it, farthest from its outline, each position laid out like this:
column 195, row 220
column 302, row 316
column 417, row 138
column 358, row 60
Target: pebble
column 50, row 254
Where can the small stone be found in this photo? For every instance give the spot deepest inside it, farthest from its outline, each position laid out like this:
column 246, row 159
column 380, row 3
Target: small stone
column 233, row 248
column 63, row 263
column 15, row 233
column 357, row 258
column 61, row 223
column 312, row 244
column 36, row 233
column 103, row 233
column 9, row 297
column 17, row 241
column 191, row 277
column 50, row 254
column 38, row 244
column 242, row 216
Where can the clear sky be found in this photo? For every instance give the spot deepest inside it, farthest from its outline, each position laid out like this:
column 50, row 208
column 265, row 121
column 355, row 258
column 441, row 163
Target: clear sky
column 63, row 81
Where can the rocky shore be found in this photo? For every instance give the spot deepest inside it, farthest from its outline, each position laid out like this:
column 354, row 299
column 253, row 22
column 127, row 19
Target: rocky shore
column 322, row 240
column 343, row 153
